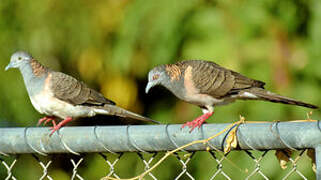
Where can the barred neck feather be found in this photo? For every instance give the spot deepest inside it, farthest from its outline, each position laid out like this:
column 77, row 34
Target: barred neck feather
column 37, row 68
column 33, row 74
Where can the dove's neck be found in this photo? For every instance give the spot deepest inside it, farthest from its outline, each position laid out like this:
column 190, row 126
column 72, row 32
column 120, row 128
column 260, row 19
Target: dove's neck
column 33, row 80
column 176, row 87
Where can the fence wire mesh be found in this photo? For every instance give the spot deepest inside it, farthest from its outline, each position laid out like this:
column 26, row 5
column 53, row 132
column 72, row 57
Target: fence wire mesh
column 184, row 169
column 195, row 162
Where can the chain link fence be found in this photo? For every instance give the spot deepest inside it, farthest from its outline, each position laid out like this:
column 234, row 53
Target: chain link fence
column 127, row 151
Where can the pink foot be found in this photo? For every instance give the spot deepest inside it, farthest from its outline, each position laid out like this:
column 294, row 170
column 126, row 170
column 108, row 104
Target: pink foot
column 198, row 121
column 46, row 119
column 50, row 119
column 59, row 125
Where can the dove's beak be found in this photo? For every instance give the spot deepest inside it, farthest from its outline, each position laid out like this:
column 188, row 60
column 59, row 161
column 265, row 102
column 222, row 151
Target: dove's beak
column 8, row 66
column 149, row 86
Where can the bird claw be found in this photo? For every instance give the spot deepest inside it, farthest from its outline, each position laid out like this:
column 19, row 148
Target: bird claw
column 193, row 124
column 197, row 122
column 41, row 120
column 56, row 127
column 46, row 119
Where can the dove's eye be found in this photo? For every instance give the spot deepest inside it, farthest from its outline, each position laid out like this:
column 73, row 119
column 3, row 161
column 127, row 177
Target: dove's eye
column 19, row 58
column 156, row 76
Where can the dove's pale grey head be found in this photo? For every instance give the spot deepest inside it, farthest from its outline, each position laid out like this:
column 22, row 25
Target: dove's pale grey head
column 19, row 59
column 33, row 73
column 157, row 76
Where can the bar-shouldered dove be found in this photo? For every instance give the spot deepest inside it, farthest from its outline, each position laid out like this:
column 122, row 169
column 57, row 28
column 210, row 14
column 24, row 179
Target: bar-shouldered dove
column 56, row 94
column 206, row 84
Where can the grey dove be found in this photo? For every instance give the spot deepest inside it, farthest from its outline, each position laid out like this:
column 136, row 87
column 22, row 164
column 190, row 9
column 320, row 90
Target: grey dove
column 206, row 84
column 56, row 94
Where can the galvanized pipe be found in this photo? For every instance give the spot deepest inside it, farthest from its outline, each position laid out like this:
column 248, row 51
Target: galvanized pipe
column 256, row 136
column 318, row 161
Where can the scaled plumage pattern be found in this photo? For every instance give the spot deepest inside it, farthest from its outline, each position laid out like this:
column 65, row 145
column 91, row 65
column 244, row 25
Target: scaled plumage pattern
column 56, row 94
column 206, row 84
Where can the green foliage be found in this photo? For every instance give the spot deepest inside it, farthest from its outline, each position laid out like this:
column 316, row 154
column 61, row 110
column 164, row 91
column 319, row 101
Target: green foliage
column 103, row 41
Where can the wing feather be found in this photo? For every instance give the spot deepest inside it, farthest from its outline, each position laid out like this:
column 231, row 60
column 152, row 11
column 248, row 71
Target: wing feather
column 67, row 88
column 210, row 78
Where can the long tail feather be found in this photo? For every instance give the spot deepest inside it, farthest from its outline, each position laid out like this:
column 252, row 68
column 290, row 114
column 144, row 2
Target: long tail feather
column 272, row 97
column 118, row 111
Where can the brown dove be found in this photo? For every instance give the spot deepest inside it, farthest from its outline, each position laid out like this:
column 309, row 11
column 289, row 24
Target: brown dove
column 59, row 95
column 206, row 84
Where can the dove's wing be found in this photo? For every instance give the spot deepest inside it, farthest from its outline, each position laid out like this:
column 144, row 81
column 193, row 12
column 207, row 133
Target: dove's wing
column 69, row 89
column 212, row 79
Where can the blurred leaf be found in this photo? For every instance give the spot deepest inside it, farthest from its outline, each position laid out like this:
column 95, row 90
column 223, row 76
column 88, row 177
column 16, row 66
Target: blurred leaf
column 311, row 154
column 113, row 44
column 120, row 89
column 90, row 64
column 283, row 159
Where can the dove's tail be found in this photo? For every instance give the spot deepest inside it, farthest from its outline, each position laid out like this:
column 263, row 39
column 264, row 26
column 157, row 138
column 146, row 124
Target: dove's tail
column 118, row 111
column 263, row 94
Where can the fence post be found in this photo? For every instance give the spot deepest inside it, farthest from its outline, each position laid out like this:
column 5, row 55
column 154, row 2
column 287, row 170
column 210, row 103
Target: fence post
column 318, row 161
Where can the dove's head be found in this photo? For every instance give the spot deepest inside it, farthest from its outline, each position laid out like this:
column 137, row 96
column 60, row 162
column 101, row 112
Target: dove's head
column 19, row 59
column 157, row 76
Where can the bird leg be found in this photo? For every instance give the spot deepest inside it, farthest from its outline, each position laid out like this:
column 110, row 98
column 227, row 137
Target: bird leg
column 198, row 121
column 46, row 119
column 50, row 119
column 59, row 125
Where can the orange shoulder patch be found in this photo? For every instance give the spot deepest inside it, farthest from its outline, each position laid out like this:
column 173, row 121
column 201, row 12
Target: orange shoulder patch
column 173, row 71
column 37, row 68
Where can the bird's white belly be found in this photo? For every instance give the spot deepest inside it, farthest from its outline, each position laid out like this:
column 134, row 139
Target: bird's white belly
column 207, row 100
column 45, row 103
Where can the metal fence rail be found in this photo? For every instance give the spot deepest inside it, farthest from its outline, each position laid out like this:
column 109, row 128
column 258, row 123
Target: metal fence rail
column 156, row 138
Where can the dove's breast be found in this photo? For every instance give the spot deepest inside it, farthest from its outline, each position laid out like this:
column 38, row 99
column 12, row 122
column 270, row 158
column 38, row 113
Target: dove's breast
column 45, row 103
